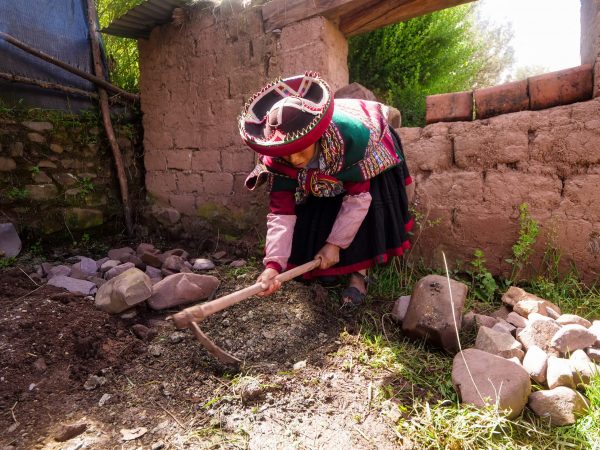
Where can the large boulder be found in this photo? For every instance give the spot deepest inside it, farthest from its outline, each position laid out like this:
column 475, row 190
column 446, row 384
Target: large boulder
column 10, row 243
column 124, row 291
column 182, row 288
column 562, row 405
column 490, row 380
column 431, row 314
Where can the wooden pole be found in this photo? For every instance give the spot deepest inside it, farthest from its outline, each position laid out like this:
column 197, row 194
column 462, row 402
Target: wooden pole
column 46, row 85
column 83, row 74
column 104, row 108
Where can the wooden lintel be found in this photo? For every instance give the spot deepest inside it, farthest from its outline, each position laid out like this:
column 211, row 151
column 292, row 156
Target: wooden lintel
column 353, row 16
column 369, row 18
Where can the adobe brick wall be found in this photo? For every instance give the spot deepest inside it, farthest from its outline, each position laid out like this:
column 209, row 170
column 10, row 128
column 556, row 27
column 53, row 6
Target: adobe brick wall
column 470, row 178
column 194, row 82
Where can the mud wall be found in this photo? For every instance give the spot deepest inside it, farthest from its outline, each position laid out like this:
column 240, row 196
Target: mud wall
column 195, row 79
column 471, row 178
column 590, row 38
column 57, row 177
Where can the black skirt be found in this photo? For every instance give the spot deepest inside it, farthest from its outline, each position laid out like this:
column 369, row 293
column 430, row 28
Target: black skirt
column 382, row 235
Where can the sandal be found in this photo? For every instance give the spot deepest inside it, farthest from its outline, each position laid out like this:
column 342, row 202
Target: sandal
column 356, row 297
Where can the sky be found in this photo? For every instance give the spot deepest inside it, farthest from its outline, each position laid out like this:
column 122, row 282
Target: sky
column 546, row 32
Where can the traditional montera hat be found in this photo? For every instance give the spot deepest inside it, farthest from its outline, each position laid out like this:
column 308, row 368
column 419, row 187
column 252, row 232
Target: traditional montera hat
column 287, row 115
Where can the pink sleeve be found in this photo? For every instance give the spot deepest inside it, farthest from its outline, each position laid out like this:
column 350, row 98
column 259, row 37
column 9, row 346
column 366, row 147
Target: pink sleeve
column 280, row 231
column 353, row 211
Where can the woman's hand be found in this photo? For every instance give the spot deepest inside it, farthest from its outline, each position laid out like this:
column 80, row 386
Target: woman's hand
column 330, row 256
column 268, row 281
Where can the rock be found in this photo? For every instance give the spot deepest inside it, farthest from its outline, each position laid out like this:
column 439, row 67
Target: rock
column 7, row 164
column 107, row 265
column 203, row 264
column 38, row 126
column 134, row 433
column 219, row 255
column 57, row 148
column 572, row 337
column 104, row 399
column 430, row 312
column 182, row 288
column 118, row 270
column 498, row 343
column 582, row 367
column 300, row 365
column 528, row 306
column 567, row 319
column 536, row 364
column 40, row 365
column 59, row 270
column 10, row 243
column 74, row 285
column 176, row 337
column 559, row 373
column 237, row 263
column 173, row 263
column 93, row 382
column 538, row 332
column 468, row 321
column 499, row 381
column 514, row 295
column 88, row 266
column 36, row 137
column 83, row 218
column 355, row 90
column 501, row 313
column 118, row 253
column 562, row 405
column 594, row 354
column 124, row 291
column 69, row 431
column 482, row 320
column 153, row 272
column 166, row 216
column 504, row 327
column 400, row 308
column 143, row 332
column 137, row 262
column 517, row 320
column 157, row 445
column 595, row 328
column 151, row 259
column 177, row 252
column 129, row 314
column 155, row 350
column 146, row 248
column 101, row 261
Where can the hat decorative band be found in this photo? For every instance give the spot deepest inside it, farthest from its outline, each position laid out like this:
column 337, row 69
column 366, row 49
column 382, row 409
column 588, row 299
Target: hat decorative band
column 287, row 115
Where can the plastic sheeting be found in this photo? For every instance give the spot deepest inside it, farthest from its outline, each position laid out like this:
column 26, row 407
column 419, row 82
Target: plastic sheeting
column 59, row 29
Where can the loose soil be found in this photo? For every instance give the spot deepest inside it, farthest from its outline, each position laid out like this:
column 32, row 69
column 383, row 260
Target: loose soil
column 163, row 381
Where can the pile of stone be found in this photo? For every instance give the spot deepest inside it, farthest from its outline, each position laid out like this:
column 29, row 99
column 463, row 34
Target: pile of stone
column 527, row 340
column 128, row 277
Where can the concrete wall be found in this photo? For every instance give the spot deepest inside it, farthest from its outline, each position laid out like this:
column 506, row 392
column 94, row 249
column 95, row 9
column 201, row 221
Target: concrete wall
column 195, row 79
column 471, row 178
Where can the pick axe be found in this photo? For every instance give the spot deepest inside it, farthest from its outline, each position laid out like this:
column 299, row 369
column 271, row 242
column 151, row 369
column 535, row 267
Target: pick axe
column 189, row 317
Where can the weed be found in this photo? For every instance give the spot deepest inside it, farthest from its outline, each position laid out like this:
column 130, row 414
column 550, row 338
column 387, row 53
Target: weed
column 36, row 247
column 523, row 248
column 483, row 284
column 86, row 186
column 7, row 262
column 16, row 193
column 35, row 170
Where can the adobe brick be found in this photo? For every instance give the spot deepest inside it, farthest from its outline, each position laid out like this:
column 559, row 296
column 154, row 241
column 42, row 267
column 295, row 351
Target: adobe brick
column 155, row 160
column 179, row 159
column 235, row 161
column 206, row 161
column 155, row 186
column 453, row 107
column 459, row 188
column 430, row 151
column 581, row 195
column 189, row 182
column 487, row 146
column 501, row 99
column 184, row 203
column 561, row 88
column 218, row 183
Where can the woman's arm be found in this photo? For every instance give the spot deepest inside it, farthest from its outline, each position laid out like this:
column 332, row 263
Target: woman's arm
column 353, row 211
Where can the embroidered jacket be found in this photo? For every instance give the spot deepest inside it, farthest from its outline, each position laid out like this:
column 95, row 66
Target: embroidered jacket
column 357, row 146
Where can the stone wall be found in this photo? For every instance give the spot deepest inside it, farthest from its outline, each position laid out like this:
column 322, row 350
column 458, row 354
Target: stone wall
column 57, row 177
column 195, row 79
column 471, row 178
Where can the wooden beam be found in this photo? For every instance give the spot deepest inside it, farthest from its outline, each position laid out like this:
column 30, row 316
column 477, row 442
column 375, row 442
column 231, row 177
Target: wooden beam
column 353, row 16
column 369, row 17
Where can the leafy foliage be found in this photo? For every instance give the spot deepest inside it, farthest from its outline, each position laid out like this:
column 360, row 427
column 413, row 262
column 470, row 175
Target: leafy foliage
column 484, row 287
column 121, row 53
column 523, row 248
column 446, row 51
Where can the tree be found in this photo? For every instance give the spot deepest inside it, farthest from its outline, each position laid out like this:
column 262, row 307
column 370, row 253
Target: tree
column 446, row 51
column 121, row 53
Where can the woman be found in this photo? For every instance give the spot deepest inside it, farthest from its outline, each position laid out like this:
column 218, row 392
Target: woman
column 336, row 177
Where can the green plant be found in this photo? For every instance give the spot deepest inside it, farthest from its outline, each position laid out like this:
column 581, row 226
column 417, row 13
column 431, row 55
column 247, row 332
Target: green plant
column 16, row 193
column 35, row 170
column 86, row 186
column 36, row 247
column 483, row 284
column 523, row 248
column 7, row 262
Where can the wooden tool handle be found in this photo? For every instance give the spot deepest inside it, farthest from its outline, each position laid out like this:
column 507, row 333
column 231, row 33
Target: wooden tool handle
column 199, row 312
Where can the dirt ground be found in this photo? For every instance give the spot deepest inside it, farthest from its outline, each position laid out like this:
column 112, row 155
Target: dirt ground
column 63, row 362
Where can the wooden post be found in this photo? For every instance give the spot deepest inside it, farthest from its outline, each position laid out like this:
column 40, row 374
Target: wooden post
column 104, row 108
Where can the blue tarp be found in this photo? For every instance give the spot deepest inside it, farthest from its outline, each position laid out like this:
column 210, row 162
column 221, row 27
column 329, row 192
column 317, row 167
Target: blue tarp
column 59, row 29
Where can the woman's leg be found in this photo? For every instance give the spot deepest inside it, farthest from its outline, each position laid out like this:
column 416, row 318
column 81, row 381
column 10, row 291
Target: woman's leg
column 357, row 281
